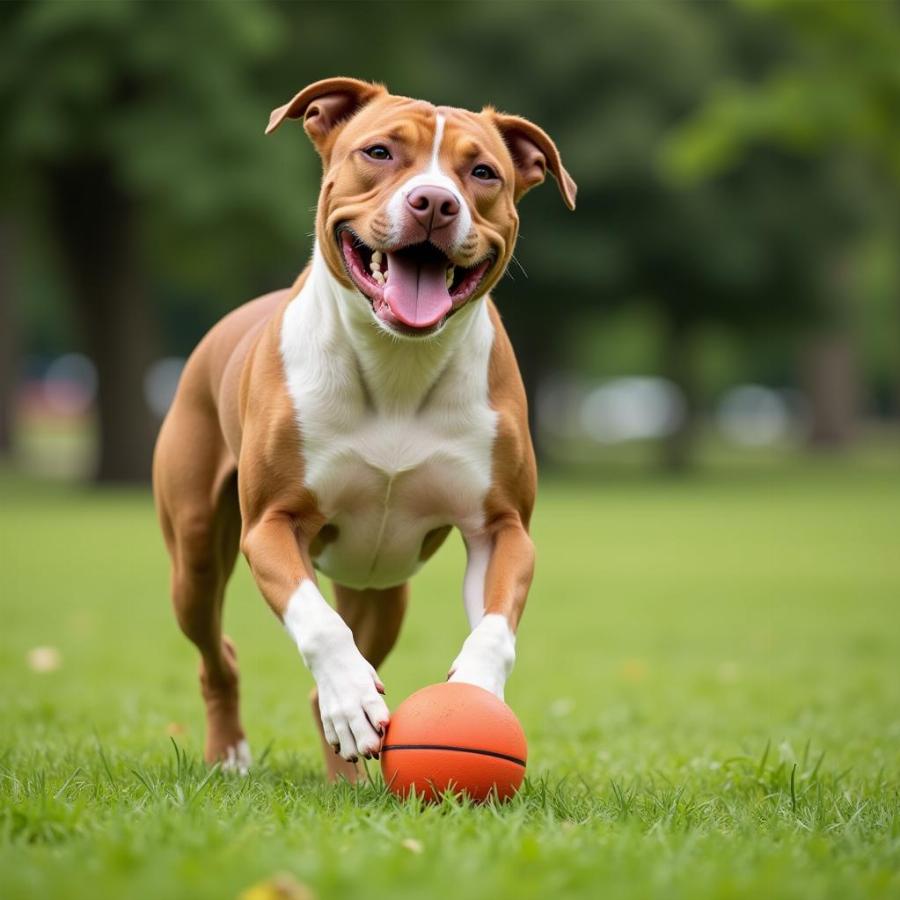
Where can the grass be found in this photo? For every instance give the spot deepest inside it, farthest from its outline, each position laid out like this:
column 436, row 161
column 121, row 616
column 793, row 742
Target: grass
column 707, row 676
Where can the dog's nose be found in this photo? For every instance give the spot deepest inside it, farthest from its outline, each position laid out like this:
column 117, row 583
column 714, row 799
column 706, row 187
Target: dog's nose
column 433, row 206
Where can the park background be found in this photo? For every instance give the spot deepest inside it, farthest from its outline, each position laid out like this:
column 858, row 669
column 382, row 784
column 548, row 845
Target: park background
column 711, row 347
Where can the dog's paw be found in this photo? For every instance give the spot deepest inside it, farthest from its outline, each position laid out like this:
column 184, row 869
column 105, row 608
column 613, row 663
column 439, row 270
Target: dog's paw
column 237, row 758
column 354, row 716
column 487, row 656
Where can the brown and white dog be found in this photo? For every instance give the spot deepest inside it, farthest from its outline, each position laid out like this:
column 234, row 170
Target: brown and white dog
column 346, row 424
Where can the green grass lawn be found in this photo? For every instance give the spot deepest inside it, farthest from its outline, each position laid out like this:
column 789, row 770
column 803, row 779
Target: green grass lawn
column 708, row 675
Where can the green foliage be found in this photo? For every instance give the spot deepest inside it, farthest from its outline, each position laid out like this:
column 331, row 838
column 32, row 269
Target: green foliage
column 735, row 218
column 705, row 675
column 839, row 88
column 175, row 95
column 748, row 250
column 168, row 96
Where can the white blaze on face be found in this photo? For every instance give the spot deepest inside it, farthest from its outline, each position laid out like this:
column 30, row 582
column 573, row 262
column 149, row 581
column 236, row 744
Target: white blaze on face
column 433, row 175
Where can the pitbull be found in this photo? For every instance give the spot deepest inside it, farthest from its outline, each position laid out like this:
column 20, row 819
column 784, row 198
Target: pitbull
column 346, row 424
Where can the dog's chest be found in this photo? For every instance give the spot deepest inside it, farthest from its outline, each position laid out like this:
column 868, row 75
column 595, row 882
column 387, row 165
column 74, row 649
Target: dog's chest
column 388, row 479
column 385, row 486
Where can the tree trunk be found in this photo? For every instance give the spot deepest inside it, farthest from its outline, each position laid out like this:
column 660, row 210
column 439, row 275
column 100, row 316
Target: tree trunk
column 531, row 356
column 97, row 231
column 9, row 337
column 677, row 450
column 831, row 381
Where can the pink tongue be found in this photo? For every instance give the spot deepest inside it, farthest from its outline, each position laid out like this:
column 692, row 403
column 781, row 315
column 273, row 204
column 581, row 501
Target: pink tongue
column 417, row 292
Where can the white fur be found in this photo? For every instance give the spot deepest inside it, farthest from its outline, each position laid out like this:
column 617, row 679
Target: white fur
column 478, row 551
column 237, row 758
column 487, row 656
column 440, row 123
column 350, row 705
column 433, row 175
column 397, row 441
column 397, row 434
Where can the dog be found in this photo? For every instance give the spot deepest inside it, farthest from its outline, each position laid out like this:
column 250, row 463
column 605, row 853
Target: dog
column 345, row 425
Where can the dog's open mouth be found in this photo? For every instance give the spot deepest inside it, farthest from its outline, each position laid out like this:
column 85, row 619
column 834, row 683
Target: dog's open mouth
column 413, row 289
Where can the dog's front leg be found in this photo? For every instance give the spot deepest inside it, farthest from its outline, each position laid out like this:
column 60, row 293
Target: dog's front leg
column 498, row 575
column 353, row 713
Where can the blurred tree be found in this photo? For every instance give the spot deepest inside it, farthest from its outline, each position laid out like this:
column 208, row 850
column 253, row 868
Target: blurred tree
column 140, row 133
column 609, row 82
column 833, row 97
column 9, row 334
column 837, row 88
column 137, row 128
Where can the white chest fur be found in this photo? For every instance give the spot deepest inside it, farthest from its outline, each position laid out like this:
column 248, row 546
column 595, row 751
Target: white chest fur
column 397, row 434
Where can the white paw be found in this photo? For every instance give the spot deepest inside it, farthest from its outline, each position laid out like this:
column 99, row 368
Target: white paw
column 237, row 758
column 353, row 714
column 487, row 656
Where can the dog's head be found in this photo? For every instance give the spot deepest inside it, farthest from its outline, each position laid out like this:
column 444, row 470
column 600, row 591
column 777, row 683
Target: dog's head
column 417, row 210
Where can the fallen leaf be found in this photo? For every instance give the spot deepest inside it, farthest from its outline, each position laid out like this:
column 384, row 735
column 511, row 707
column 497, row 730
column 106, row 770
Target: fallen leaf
column 634, row 670
column 44, row 659
column 562, row 706
column 728, row 672
column 174, row 729
column 280, row 887
column 412, row 845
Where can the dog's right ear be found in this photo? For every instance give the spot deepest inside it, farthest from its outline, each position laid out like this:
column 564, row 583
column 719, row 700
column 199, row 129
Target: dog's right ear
column 325, row 105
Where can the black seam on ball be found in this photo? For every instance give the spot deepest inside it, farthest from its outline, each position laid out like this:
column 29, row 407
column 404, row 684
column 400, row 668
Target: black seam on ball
column 493, row 753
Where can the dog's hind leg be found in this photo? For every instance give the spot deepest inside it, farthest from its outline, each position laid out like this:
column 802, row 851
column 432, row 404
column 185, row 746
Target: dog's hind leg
column 195, row 484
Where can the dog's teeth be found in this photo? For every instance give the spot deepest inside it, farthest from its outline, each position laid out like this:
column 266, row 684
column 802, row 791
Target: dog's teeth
column 378, row 277
column 449, row 276
column 374, row 266
column 376, row 257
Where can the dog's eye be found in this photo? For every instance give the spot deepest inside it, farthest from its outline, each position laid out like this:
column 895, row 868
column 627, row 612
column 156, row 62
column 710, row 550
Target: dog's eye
column 483, row 172
column 378, row 151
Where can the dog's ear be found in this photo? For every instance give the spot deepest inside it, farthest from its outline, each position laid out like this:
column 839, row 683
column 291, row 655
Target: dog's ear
column 325, row 105
column 533, row 153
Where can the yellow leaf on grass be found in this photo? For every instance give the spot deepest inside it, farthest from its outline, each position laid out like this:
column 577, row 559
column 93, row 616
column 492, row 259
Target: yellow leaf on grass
column 634, row 670
column 44, row 659
column 280, row 887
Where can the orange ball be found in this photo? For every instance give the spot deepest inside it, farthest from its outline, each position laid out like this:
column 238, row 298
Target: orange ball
column 454, row 737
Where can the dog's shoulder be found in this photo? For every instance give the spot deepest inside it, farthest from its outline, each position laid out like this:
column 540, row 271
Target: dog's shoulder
column 514, row 464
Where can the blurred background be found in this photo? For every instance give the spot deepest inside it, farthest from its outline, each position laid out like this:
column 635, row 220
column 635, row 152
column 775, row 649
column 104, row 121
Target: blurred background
column 728, row 288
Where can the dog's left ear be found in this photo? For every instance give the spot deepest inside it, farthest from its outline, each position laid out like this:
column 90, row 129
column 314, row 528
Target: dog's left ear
column 325, row 105
column 533, row 153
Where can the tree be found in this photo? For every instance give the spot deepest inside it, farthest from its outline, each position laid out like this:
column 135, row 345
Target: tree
column 832, row 102
column 141, row 130
column 610, row 82
column 9, row 332
column 138, row 128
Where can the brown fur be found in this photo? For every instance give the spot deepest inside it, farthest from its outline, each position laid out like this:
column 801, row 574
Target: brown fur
column 228, row 467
